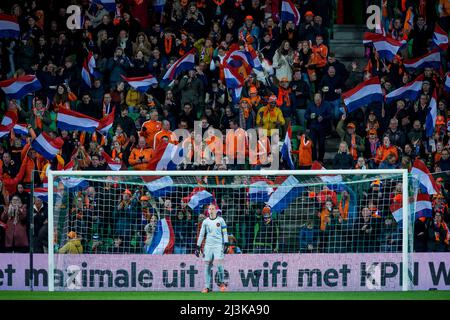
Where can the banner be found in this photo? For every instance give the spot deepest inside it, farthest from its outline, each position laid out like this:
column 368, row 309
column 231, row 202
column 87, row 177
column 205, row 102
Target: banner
column 271, row 272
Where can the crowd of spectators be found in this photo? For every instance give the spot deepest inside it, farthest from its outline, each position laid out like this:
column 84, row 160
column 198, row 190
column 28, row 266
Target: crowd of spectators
column 302, row 85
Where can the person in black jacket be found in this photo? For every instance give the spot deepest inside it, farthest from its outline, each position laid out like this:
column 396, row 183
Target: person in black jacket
column 420, row 35
column 300, row 90
column 87, row 107
column 125, row 122
column 444, row 162
column 341, row 70
column 366, row 232
column 266, row 233
column 396, row 136
column 319, row 114
column 331, row 85
column 343, row 159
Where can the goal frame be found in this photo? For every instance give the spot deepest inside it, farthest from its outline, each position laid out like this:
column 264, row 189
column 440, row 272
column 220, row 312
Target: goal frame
column 405, row 202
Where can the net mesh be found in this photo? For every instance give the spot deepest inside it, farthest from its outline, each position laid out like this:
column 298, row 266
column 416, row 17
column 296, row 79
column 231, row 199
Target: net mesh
column 326, row 214
column 114, row 216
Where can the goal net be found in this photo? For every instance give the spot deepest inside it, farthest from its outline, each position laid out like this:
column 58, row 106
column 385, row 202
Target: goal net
column 299, row 230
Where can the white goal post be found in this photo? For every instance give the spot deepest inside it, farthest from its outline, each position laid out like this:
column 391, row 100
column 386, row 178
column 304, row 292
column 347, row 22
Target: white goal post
column 403, row 173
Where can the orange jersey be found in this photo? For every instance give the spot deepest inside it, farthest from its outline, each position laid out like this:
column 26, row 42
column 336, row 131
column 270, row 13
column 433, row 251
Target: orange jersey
column 136, row 155
column 383, row 152
column 149, row 129
column 304, row 152
column 160, row 135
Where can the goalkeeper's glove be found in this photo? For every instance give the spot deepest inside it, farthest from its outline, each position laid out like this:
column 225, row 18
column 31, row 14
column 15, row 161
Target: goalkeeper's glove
column 225, row 247
column 197, row 252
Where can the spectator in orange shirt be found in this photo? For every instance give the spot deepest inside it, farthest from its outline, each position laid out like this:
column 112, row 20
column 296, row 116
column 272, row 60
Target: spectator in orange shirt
column 304, row 152
column 141, row 155
column 164, row 132
column 319, row 53
column 384, row 150
column 150, row 128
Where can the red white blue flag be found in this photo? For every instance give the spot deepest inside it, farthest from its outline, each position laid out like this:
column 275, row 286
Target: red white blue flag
column 9, row 27
column 289, row 12
column 16, row 88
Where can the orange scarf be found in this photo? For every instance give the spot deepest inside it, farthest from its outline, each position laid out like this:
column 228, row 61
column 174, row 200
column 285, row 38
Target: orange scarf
column 167, row 44
column 114, row 154
column 283, row 97
column 353, row 151
column 344, row 209
column 181, row 52
column 254, row 101
column 246, row 111
column 270, row 112
column 219, row 2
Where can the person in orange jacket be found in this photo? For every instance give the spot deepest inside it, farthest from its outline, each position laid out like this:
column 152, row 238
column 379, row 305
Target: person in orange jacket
column 150, row 128
column 304, row 152
column 164, row 132
column 319, row 53
column 384, row 150
column 141, row 155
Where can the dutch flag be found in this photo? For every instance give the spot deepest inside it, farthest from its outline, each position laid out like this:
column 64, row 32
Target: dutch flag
column 430, row 60
column 141, row 84
column 249, row 57
column 260, row 190
column 16, row 88
column 159, row 186
column 367, row 92
column 386, row 47
column 233, row 80
column 330, row 179
column 422, row 207
column 9, row 27
column 163, row 239
column 47, row 147
column 110, row 5
column 112, row 164
column 409, row 91
column 158, row 5
column 286, row 149
column 235, row 94
column 289, row 12
column 41, row 193
column 8, row 123
column 71, row 120
column 283, row 196
column 426, row 181
column 87, row 71
column 430, row 122
column 440, row 38
column 167, row 156
column 21, row 129
column 185, row 63
column 71, row 183
column 105, row 124
column 198, row 198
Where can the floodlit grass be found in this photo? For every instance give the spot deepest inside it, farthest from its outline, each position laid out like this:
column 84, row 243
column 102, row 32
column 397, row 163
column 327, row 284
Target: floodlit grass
column 411, row 295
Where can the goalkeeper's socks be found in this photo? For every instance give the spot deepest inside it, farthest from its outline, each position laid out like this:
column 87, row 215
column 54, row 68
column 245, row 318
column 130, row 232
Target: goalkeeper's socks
column 221, row 272
column 208, row 269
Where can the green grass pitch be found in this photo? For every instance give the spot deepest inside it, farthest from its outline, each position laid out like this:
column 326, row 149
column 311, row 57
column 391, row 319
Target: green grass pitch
column 411, row 295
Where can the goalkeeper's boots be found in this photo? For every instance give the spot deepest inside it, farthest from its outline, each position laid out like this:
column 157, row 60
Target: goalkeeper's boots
column 223, row 287
column 206, row 290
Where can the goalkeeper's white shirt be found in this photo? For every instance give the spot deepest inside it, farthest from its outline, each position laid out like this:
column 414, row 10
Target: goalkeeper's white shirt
column 215, row 232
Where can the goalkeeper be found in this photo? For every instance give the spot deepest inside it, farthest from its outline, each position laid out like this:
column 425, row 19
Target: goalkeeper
column 214, row 229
